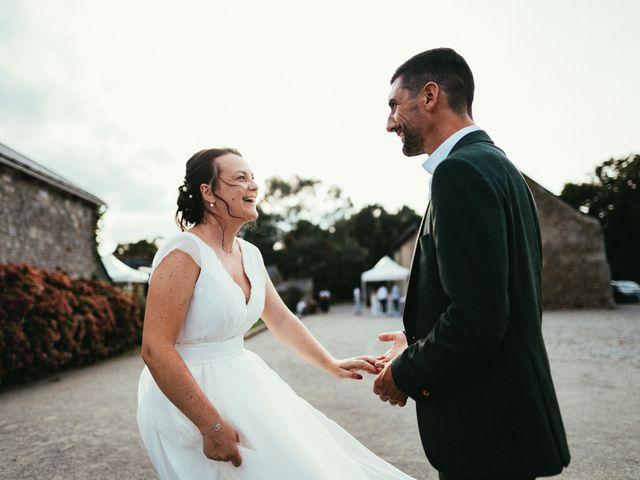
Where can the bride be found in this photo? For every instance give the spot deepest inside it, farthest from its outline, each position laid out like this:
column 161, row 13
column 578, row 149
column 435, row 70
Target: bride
column 208, row 408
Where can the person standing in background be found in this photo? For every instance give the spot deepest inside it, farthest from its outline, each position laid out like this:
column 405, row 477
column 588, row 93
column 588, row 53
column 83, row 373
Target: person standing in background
column 382, row 295
column 395, row 299
column 357, row 301
column 324, row 300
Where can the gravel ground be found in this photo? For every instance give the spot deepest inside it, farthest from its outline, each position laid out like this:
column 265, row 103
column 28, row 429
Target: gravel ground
column 81, row 424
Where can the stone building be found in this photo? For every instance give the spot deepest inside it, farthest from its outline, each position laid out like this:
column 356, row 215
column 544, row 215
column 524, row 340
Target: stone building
column 46, row 220
column 575, row 271
column 574, row 263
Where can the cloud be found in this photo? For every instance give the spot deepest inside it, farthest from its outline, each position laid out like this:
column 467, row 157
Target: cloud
column 117, row 95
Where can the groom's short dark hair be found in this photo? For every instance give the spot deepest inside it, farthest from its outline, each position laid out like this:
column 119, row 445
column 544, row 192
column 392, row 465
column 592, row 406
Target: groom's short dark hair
column 445, row 67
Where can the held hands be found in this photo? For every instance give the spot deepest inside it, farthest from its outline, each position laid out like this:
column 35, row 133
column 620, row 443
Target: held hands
column 384, row 385
column 221, row 444
column 399, row 340
column 349, row 367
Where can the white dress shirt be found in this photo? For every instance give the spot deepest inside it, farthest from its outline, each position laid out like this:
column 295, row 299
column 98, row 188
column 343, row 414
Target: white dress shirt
column 441, row 153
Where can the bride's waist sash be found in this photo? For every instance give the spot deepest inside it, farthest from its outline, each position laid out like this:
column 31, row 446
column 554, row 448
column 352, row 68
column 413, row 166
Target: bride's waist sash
column 210, row 352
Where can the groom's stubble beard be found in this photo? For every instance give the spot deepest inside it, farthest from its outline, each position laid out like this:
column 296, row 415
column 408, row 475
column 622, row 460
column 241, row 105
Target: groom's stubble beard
column 413, row 143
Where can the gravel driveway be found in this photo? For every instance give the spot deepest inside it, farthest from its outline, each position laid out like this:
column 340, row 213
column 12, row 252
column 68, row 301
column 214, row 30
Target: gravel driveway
column 81, row 424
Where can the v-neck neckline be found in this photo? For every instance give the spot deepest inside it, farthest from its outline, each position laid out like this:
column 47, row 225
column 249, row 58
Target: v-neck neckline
column 245, row 271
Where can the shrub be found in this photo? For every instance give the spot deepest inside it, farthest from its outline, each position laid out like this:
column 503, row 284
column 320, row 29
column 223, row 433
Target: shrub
column 291, row 296
column 49, row 322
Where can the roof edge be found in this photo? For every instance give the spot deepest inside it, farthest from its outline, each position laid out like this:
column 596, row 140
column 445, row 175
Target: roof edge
column 58, row 182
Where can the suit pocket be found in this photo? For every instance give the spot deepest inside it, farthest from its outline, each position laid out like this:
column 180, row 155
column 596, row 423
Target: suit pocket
column 426, row 255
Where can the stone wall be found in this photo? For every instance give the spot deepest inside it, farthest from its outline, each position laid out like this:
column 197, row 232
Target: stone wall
column 575, row 268
column 45, row 227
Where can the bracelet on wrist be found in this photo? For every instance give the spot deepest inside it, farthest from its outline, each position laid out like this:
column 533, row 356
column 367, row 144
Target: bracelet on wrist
column 213, row 428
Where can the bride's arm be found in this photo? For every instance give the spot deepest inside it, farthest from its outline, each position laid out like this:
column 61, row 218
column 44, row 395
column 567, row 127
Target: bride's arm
column 168, row 299
column 291, row 331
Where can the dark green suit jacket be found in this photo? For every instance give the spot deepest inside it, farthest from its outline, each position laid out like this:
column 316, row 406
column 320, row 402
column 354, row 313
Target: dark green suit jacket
column 476, row 364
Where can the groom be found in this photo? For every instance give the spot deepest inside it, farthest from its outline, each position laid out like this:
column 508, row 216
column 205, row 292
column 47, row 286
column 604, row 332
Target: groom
column 472, row 354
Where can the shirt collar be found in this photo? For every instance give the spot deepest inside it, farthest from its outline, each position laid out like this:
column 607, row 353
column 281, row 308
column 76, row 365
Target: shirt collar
column 442, row 152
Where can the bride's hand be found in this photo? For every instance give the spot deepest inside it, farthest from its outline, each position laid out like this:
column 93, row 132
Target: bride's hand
column 399, row 340
column 221, row 444
column 348, row 367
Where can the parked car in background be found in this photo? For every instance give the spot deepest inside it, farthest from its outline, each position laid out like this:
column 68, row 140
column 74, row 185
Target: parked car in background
column 625, row 291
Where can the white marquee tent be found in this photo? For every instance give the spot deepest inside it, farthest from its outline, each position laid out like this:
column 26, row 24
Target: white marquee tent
column 386, row 270
column 121, row 272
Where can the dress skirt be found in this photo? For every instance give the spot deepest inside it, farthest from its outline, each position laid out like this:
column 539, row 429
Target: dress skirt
column 282, row 437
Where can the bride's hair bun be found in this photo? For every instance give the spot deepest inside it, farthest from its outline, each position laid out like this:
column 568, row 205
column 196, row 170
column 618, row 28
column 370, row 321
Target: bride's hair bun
column 201, row 168
column 190, row 205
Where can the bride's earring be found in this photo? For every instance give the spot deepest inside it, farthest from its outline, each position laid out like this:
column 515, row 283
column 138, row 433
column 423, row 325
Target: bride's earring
column 211, row 204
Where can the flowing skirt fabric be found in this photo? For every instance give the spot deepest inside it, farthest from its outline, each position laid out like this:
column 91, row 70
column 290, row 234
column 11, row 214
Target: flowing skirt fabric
column 282, row 437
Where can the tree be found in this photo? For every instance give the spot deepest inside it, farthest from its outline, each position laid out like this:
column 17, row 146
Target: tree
column 308, row 230
column 137, row 254
column 334, row 263
column 285, row 204
column 377, row 230
column 265, row 233
column 304, row 199
column 613, row 197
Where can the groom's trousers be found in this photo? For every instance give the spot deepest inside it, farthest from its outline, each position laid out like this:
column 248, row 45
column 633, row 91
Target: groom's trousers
column 444, row 476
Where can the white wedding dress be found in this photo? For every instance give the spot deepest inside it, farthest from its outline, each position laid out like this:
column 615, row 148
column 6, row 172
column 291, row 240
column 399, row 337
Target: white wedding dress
column 282, row 437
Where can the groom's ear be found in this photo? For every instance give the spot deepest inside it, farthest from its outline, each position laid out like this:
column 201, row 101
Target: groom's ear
column 429, row 95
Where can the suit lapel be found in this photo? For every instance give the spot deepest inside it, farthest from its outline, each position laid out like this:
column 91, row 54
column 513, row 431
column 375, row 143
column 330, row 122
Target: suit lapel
column 423, row 230
column 424, row 226
column 473, row 137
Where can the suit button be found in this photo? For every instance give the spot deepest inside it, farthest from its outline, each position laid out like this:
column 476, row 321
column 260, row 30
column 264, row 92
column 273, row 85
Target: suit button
column 425, row 393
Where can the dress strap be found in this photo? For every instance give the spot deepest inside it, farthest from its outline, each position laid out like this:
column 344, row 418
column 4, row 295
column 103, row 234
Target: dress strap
column 181, row 241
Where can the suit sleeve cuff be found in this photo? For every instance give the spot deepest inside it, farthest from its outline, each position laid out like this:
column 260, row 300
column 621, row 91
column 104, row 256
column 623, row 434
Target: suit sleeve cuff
column 407, row 382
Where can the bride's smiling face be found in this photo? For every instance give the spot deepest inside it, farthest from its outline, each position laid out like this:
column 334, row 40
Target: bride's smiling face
column 236, row 192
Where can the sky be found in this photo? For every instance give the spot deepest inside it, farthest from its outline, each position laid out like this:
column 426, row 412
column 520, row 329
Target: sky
column 117, row 95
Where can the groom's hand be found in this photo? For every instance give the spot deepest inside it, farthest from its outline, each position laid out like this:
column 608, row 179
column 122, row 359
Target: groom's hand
column 386, row 389
column 399, row 340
